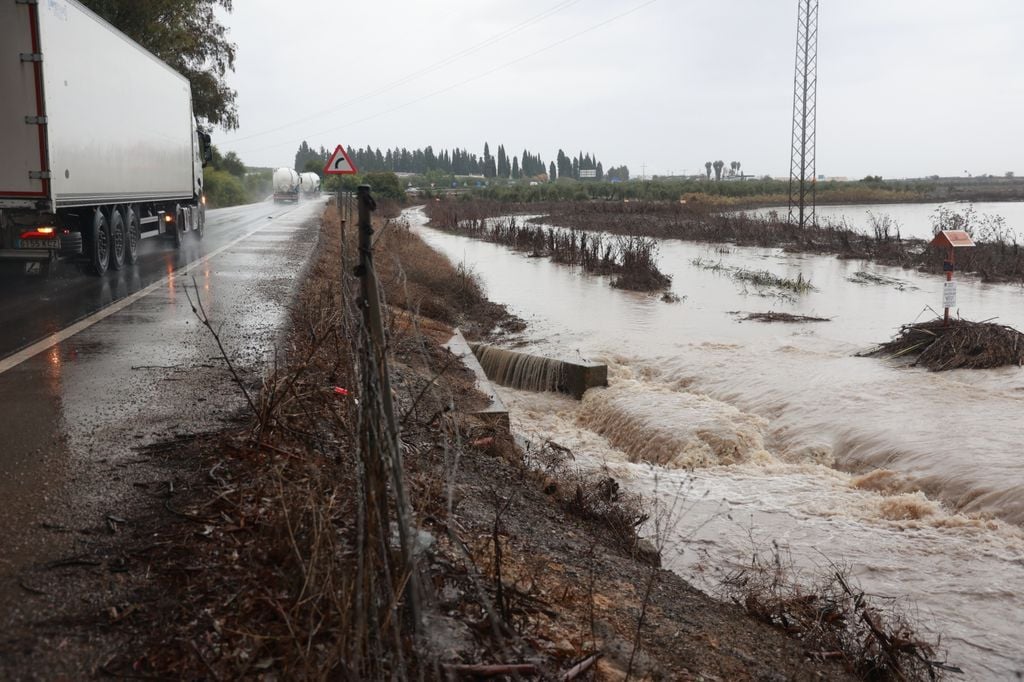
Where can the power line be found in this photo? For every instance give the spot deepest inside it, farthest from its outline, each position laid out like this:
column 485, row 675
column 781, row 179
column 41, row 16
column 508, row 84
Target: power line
column 471, row 79
column 496, row 38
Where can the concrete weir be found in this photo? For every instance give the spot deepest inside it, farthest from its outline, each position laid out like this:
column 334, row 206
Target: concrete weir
column 537, row 373
column 496, row 413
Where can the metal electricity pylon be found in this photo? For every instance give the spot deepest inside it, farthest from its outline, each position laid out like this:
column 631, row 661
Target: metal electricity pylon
column 802, row 177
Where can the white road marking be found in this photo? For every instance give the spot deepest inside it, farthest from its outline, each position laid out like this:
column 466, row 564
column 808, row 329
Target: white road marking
column 38, row 347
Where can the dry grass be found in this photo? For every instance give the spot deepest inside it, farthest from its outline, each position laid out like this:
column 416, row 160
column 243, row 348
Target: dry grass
column 836, row 620
column 591, row 495
column 960, row 344
column 282, row 580
column 267, row 574
column 419, row 279
column 279, row 581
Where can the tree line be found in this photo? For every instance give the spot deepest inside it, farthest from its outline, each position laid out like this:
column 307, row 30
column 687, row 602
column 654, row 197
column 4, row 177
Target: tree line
column 457, row 161
column 719, row 169
column 228, row 182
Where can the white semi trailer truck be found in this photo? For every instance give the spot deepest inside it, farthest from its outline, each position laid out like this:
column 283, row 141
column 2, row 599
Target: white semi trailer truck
column 99, row 147
column 310, row 184
column 286, row 185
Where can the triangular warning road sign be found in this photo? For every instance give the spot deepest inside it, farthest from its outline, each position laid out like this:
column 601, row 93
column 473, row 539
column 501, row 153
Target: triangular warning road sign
column 340, row 163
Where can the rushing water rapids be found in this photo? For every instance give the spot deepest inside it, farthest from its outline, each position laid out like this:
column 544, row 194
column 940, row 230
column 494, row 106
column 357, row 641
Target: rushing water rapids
column 764, row 433
column 529, row 372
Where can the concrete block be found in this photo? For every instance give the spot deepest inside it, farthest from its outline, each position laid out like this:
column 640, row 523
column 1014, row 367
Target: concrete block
column 495, row 413
column 537, row 373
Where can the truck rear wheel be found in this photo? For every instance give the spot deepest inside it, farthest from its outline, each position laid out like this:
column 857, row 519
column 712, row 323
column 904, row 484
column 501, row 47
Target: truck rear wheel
column 117, row 238
column 98, row 243
column 179, row 226
column 200, row 220
column 132, row 230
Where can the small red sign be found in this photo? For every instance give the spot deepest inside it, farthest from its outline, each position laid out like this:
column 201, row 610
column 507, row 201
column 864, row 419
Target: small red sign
column 952, row 239
column 340, row 163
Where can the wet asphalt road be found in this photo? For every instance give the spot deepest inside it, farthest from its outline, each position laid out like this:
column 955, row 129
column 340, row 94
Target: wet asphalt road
column 74, row 415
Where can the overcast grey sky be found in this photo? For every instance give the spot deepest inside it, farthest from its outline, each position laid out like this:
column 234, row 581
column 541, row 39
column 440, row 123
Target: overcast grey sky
column 907, row 88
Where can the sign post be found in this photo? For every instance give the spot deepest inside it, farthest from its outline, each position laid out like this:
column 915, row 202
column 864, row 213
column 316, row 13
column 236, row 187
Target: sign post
column 340, row 163
column 951, row 240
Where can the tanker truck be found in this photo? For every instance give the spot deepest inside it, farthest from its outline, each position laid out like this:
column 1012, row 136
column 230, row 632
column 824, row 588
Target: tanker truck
column 286, row 185
column 100, row 147
column 310, row 184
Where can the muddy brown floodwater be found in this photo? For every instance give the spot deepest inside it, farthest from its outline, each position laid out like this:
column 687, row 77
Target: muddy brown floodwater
column 757, row 433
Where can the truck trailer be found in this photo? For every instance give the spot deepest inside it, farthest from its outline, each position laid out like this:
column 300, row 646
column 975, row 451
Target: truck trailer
column 100, row 147
column 286, row 185
column 310, row 184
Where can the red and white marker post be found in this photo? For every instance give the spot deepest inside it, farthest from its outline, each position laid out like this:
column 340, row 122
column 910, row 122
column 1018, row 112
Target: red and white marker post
column 951, row 240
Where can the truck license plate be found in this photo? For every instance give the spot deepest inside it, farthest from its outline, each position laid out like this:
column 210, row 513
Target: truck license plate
column 38, row 244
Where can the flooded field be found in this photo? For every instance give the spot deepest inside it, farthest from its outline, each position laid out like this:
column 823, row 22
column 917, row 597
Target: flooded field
column 775, row 433
column 915, row 220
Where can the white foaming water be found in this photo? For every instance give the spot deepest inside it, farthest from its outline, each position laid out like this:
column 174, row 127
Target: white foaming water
column 776, row 432
column 519, row 370
column 702, row 431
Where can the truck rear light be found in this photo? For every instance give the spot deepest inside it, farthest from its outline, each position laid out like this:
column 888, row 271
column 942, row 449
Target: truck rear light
column 168, row 218
column 39, row 233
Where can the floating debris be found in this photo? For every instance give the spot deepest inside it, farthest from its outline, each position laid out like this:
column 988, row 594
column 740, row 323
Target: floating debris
column 961, row 344
column 863, row 277
column 762, row 280
column 782, row 317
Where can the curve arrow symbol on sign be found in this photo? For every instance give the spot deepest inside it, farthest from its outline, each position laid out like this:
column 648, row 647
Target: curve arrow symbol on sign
column 340, row 163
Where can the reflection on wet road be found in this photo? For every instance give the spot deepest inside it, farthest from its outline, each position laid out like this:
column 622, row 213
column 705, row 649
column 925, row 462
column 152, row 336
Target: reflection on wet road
column 33, row 307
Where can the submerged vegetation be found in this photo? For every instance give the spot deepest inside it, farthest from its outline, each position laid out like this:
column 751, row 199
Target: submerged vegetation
column 771, row 316
column 871, row 278
column 997, row 256
column 960, row 344
column 765, row 282
column 630, row 259
column 764, row 278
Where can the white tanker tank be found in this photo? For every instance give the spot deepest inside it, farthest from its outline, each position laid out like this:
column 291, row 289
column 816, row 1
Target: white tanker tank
column 286, row 185
column 310, row 184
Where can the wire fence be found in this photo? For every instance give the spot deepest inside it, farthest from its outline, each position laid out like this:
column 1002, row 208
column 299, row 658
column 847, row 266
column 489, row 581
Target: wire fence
column 388, row 592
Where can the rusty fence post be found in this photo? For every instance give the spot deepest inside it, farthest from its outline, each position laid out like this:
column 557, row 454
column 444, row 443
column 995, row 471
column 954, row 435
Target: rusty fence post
column 376, row 348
